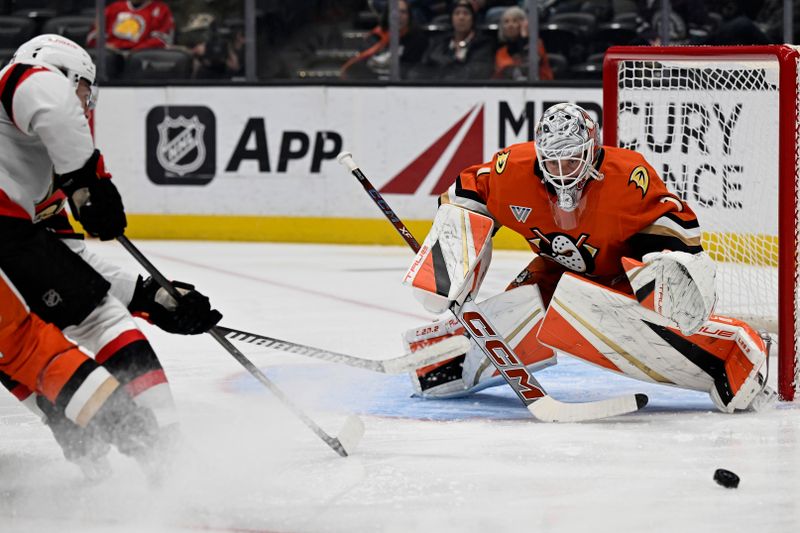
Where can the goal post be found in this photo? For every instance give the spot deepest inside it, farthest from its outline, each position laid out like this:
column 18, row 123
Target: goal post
column 720, row 125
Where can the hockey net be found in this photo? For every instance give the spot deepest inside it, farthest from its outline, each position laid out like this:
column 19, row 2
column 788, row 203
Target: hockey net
column 720, row 125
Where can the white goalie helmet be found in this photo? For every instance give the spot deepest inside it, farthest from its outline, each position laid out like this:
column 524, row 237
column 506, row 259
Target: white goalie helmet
column 59, row 53
column 567, row 144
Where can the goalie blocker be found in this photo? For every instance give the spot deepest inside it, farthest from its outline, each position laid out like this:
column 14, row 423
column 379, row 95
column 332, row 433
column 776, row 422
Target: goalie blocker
column 452, row 261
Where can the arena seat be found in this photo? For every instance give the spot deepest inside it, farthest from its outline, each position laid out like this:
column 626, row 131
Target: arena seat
column 72, row 27
column 5, row 56
column 564, row 39
column 113, row 63
column 610, row 34
column 586, row 22
column 558, row 64
column 16, row 30
column 39, row 10
column 158, row 64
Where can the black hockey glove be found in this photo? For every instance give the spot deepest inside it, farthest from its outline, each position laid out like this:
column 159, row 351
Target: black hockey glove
column 191, row 315
column 103, row 214
column 94, row 200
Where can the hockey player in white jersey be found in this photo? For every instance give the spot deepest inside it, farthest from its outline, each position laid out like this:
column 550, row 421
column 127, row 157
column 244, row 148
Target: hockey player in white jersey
column 48, row 159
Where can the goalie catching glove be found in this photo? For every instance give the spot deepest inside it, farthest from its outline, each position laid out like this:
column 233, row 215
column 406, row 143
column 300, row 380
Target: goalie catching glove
column 94, row 200
column 191, row 315
column 676, row 285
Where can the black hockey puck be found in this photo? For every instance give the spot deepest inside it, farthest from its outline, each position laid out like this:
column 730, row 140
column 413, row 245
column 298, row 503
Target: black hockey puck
column 726, row 478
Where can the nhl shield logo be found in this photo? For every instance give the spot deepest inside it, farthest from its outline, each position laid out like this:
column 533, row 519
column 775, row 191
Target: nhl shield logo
column 181, row 145
column 51, row 298
column 181, row 149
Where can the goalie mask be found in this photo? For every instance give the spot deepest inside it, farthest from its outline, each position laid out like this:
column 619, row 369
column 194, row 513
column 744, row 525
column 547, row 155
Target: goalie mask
column 567, row 144
column 61, row 54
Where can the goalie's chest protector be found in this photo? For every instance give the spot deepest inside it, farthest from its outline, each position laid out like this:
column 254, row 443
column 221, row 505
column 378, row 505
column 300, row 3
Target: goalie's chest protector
column 612, row 210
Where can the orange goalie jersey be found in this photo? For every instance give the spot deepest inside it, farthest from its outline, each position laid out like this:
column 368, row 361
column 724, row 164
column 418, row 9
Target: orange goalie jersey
column 628, row 213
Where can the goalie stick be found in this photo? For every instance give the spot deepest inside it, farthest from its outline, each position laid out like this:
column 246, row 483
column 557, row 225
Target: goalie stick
column 541, row 405
column 408, row 362
column 353, row 427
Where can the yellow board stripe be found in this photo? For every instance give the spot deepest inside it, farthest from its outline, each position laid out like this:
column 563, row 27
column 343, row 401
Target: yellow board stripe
column 740, row 248
column 288, row 229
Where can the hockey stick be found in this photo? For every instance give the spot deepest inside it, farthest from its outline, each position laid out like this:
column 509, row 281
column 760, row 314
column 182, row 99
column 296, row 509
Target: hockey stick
column 541, row 405
column 353, row 427
column 435, row 353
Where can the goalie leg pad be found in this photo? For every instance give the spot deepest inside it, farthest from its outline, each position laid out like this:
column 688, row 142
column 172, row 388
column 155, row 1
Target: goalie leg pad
column 517, row 313
column 612, row 330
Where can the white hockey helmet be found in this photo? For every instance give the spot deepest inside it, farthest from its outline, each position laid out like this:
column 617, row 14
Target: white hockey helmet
column 62, row 54
column 569, row 140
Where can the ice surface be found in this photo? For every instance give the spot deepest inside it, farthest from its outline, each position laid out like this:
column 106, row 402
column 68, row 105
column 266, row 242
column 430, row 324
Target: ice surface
column 474, row 464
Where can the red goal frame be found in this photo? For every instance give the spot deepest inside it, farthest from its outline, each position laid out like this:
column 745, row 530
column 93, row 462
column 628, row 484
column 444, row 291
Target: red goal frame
column 788, row 169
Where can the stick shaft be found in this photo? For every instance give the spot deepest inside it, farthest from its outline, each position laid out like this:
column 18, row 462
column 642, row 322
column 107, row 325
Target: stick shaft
column 231, row 349
column 376, row 196
column 394, row 365
column 300, row 349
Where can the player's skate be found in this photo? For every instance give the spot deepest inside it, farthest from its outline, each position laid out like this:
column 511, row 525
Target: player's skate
column 516, row 312
column 132, row 429
column 80, row 446
column 752, row 393
column 764, row 399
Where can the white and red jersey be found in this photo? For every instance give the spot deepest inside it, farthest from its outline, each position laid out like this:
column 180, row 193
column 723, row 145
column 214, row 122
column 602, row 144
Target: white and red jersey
column 42, row 130
column 130, row 27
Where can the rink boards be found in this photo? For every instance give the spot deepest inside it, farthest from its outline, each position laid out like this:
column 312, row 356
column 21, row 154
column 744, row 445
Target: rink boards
column 259, row 163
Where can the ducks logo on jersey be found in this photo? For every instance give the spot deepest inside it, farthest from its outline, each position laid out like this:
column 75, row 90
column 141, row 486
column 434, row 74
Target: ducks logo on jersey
column 641, row 179
column 576, row 255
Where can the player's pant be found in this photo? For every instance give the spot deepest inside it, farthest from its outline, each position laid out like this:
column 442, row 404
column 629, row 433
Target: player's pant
column 61, row 288
column 79, row 395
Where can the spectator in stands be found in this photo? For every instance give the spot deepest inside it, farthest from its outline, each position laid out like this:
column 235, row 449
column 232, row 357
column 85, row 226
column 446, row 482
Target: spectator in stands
column 136, row 25
column 218, row 51
column 770, row 19
column 738, row 26
column 684, row 14
column 463, row 54
column 511, row 59
column 423, row 11
column 376, row 54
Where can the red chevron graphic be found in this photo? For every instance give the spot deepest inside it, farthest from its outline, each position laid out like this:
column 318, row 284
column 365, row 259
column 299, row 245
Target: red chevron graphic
column 469, row 152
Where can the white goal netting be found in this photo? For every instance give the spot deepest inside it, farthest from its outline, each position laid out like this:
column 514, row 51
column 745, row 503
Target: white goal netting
column 710, row 127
